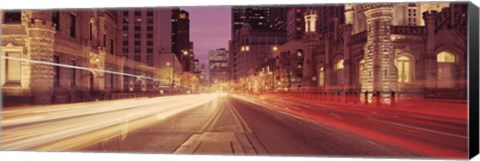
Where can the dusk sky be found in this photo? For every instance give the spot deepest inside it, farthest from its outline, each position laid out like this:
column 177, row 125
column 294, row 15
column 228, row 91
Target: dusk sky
column 209, row 29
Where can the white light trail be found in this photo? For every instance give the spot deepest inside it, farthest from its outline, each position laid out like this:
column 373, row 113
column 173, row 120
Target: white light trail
column 70, row 129
column 88, row 69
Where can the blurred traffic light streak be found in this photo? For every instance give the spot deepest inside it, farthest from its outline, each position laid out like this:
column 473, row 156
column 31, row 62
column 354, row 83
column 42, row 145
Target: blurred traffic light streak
column 435, row 134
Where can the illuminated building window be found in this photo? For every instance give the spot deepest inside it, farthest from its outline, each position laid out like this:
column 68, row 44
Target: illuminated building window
column 13, row 68
column 405, row 69
column 339, row 71
column 361, row 66
column 321, row 77
column 445, row 70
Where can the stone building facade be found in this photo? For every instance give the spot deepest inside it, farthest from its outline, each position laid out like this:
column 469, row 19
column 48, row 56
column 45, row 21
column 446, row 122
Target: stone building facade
column 64, row 56
column 380, row 48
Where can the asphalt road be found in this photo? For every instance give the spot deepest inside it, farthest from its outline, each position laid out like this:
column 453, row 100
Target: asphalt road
column 233, row 126
column 218, row 124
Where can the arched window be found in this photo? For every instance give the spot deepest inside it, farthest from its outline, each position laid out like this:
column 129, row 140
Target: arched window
column 361, row 67
column 339, row 72
column 90, row 31
column 445, row 70
column 321, row 77
column 405, row 69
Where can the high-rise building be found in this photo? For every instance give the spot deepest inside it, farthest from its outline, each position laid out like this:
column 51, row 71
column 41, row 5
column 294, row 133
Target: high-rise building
column 251, row 48
column 145, row 34
column 259, row 18
column 218, row 65
column 256, row 28
column 181, row 37
column 295, row 23
column 328, row 15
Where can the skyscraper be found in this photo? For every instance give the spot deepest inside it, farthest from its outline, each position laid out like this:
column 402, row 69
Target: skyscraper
column 181, row 37
column 259, row 18
column 328, row 15
column 218, row 65
column 145, row 34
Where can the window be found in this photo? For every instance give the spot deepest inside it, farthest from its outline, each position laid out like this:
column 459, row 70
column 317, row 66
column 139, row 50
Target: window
column 74, row 74
column 149, row 36
column 56, row 69
column 321, row 77
column 125, row 28
column 125, row 50
column 339, row 72
column 149, row 13
column 404, row 69
column 137, row 43
column 13, row 17
column 125, row 13
column 90, row 31
column 73, row 32
column 150, row 43
column 112, row 46
column 445, row 70
column 137, row 50
column 137, row 28
column 149, row 50
column 112, row 79
column 149, row 28
column 104, row 40
column 56, row 19
column 137, row 35
column 138, row 13
column 137, row 58
column 150, row 21
column 125, row 42
column 13, row 68
column 361, row 66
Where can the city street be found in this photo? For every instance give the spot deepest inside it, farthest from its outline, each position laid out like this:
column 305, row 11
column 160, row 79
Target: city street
column 233, row 124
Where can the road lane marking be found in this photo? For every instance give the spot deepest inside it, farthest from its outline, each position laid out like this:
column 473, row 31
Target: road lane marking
column 214, row 121
column 419, row 128
column 245, row 125
column 237, row 120
column 215, row 113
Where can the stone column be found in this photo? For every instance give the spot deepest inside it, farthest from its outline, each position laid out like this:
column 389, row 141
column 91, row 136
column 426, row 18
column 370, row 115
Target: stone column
column 327, row 67
column 430, row 58
column 380, row 74
column 41, row 37
column 309, row 61
column 347, row 76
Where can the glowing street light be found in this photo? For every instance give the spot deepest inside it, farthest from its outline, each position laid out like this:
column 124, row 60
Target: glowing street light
column 274, row 48
column 168, row 64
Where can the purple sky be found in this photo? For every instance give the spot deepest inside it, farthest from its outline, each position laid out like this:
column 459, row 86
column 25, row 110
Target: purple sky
column 209, row 29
